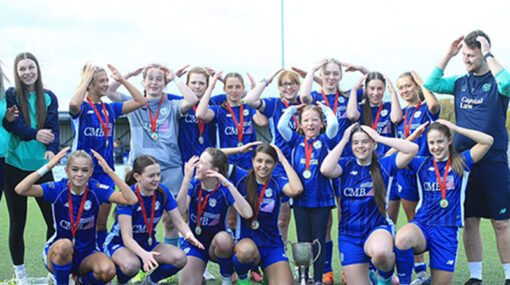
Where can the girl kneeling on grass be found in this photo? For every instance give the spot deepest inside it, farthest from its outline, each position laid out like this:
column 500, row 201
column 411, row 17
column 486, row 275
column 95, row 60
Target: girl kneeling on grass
column 75, row 204
column 442, row 180
column 132, row 240
column 365, row 231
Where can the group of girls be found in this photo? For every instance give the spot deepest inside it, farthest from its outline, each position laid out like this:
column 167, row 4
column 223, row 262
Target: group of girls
column 349, row 146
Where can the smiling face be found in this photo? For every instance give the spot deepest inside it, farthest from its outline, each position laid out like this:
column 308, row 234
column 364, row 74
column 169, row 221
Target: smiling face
column 99, row 85
column 288, row 88
column 473, row 59
column 149, row 178
column 78, row 170
column 27, row 72
column 375, row 91
column 263, row 165
column 234, row 88
column 311, row 123
column 197, row 82
column 154, row 82
column 438, row 144
column 204, row 164
column 362, row 146
column 408, row 89
column 331, row 74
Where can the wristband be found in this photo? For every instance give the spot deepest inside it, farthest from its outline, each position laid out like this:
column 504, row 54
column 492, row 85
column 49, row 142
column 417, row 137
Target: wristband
column 43, row 170
column 487, row 55
column 266, row 82
column 261, row 102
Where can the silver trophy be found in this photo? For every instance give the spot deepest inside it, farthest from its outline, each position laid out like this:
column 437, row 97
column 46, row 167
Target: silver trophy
column 303, row 258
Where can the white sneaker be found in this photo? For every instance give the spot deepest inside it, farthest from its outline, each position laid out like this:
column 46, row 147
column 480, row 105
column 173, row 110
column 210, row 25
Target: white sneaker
column 420, row 278
column 21, row 277
column 226, row 280
column 51, row 279
column 208, row 276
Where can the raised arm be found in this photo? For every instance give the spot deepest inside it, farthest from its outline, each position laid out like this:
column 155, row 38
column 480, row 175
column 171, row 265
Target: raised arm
column 330, row 167
column 331, row 121
column 183, row 199
column 115, row 95
column 352, row 111
column 294, row 187
column 396, row 111
column 483, row 141
column 306, row 87
column 245, row 148
column 27, row 186
column 190, row 99
column 430, row 98
column 138, row 98
column 435, row 82
column 79, row 96
column 452, row 51
column 241, row 205
column 253, row 96
column 203, row 112
column 125, row 196
column 283, row 124
column 502, row 76
column 406, row 149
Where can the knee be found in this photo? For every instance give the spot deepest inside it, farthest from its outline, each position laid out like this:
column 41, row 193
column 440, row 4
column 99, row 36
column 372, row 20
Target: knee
column 223, row 244
column 180, row 259
column 130, row 266
column 105, row 272
column 383, row 257
column 403, row 241
column 246, row 250
column 500, row 226
column 471, row 224
column 62, row 249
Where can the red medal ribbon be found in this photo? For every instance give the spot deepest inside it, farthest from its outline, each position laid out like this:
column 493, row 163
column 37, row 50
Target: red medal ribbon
column 106, row 127
column 287, row 105
column 261, row 196
column 200, row 123
column 308, row 153
column 442, row 184
column 154, row 120
column 240, row 127
column 74, row 226
column 153, row 209
column 407, row 125
column 201, row 207
column 374, row 124
column 327, row 102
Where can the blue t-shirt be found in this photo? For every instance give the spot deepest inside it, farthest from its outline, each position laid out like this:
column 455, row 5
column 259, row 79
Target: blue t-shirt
column 357, row 203
column 268, row 234
column 164, row 202
column 429, row 212
column 227, row 129
column 421, row 116
column 318, row 189
column 57, row 194
column 213, row 218
column 385, row 126
column 89, row 134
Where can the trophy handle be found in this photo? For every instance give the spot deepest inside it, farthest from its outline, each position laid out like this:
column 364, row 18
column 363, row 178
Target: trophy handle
column 316, row 241
column 288, row 242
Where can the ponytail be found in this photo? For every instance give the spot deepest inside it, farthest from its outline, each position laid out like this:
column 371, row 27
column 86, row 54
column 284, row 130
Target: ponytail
column 251, row 192
column 378, row 185
column 366, row 109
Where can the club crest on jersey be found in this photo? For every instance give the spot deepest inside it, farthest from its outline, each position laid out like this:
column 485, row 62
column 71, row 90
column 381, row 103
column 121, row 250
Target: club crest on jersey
column 486, row 87
column 464, row 88
column 246, row 112
column 102, row 186
column 87, row 205
column 268, row 193
column 164, row 111
column 156, row 207
column 417, row 114
column 384, row 112
column 341, row 99
column 212, row 202
column 317, row 144
column 354, row 172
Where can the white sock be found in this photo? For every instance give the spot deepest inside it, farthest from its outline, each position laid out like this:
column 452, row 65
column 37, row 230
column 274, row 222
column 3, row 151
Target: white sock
column 475, row 268
column 506, row 268
column 20, row 267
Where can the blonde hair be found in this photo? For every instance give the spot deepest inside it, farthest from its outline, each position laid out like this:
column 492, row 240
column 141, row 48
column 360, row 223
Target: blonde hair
column 79, row 153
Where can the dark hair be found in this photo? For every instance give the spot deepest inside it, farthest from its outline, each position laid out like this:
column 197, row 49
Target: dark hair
column 470, row 39
column 198, row 70
column 367, row 111
column 375, row 173
column 218, row 159
column 457, row 163
column 311, row 108
column 409, row 75
column 22, row 91
column 251, row 180
column 139, row 165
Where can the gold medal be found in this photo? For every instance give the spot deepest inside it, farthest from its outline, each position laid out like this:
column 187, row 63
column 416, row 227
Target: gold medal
column 443, row 203
column 307, row 174
column 74, row 241
column 155, row 136
column 149, row 241
column 201, row 140
column 255, row 225
column 239, row 144
column 198, row 230
column 107, row 144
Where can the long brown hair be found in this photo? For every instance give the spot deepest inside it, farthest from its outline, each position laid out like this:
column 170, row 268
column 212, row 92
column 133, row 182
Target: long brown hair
column 410, row 76
column 457, row 163
column 218, row 159
column 377, row 180
column 251, row 181
column 22, row 92
column 139, row 165
column 367, row 111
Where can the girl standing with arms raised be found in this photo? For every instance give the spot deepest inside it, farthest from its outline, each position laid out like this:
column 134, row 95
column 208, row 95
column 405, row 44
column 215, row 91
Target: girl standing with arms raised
column 75, row 203
column 34, row 140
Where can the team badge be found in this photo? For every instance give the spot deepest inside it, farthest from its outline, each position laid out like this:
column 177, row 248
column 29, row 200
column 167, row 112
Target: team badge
column 464, row 88
column 212, row 202
column 317, row 144
column 486, row 87
column 384, row 112
column 156, row 207
column 246, row 112
column 417, row 114
column 87, row 205
column 268, row 193
column 163, row 111
column 341, row 99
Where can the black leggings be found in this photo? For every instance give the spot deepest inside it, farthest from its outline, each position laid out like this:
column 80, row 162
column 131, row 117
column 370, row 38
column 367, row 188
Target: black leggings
column 311, row 224
column 2, row 176
column 17, row 206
